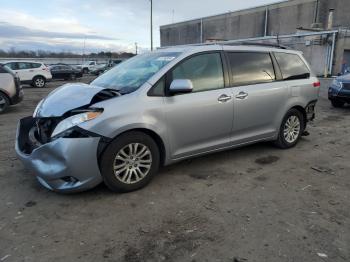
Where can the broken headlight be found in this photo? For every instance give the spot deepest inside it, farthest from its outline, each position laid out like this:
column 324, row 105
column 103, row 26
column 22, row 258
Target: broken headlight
column 74, row 121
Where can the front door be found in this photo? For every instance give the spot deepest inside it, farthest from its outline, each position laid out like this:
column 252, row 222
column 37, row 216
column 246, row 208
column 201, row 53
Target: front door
column 202, row 120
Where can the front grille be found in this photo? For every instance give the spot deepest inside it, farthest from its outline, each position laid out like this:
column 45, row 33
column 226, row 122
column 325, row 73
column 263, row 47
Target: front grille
column 346, row 86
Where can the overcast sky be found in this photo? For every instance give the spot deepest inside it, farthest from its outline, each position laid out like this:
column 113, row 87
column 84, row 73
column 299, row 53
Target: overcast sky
column 115, row 25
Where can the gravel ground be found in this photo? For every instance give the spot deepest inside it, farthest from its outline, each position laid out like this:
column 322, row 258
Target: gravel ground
column 256, row 203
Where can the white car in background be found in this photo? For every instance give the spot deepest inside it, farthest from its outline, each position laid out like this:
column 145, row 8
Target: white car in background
column 30, row 72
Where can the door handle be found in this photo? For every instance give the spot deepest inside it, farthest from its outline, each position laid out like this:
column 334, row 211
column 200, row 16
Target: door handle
column 241, row 95
column 224, row 98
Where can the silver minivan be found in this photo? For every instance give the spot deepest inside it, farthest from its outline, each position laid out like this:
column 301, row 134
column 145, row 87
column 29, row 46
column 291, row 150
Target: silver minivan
column 165, row 106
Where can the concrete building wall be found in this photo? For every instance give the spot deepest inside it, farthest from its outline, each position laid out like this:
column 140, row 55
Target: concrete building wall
column 341, row 12
column 286, row 18
column 234, row 25
column 283, row 18
column 182, row 34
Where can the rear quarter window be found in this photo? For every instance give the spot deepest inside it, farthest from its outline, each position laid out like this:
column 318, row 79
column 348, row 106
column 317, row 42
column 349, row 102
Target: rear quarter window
column 35, row 65
column 292, row 66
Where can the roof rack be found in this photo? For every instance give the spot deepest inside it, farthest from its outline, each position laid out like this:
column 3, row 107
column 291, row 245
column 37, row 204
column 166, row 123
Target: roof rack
column 257, row 44
column 232, row 43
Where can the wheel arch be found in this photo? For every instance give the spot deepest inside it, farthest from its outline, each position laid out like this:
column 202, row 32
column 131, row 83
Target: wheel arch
column 39, row 76
column 156, row 137
column 301, row 110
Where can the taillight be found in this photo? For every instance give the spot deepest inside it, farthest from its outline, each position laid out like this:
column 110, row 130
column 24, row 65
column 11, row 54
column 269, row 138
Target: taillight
column 46, row 69
column 317, row 84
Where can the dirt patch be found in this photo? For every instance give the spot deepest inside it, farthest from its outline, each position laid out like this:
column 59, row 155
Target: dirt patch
column 172, row 240
column 261, row 178
column 30, row 204
column 266, row 160
column 333, row 118
column 204, row 175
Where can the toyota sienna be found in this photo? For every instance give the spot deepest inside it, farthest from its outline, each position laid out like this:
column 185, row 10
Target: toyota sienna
column 165, row 106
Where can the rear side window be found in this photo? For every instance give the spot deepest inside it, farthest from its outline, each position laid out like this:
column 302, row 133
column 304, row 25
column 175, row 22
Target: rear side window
column 205, row 71
column 251, row 68
column 35, row 65
column 292, row 66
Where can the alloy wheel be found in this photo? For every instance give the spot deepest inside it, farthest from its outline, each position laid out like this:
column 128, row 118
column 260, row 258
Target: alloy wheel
column 39, row 82
column 132, row 163
column 291, row 129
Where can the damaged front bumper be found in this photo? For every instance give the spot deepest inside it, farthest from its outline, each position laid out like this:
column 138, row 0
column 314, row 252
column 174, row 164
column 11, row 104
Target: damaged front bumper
column 62, row 165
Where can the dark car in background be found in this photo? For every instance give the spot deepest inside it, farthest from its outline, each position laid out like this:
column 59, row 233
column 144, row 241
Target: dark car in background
column 339, row 91
column 65, row 72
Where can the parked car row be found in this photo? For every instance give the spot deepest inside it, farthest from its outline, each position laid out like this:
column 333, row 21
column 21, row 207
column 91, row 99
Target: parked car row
column 13, row 74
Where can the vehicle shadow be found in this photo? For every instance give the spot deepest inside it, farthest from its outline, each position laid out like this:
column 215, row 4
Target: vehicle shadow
column 264, row 150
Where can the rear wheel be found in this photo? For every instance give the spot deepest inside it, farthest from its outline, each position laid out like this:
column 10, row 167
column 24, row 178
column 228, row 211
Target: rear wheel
column 39, row 82
column 291, row 129
column 337, row 103
column 73, row 77
column 130, row 162
column 4, row 102
column 85, row 70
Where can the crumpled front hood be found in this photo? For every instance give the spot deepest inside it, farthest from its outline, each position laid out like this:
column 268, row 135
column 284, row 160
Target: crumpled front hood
column 66, row 98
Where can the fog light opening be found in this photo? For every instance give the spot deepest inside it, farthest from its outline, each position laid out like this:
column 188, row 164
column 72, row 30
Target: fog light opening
column 70, row 179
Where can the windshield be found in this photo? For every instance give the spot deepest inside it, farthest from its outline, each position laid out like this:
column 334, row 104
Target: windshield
column 133, row 73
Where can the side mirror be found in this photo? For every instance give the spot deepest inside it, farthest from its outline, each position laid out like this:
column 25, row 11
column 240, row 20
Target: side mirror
column 181, row 86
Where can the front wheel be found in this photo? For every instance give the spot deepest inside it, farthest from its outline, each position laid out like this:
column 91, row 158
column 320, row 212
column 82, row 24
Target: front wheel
column 130, row 162
column 291, row 129
column 39, row 82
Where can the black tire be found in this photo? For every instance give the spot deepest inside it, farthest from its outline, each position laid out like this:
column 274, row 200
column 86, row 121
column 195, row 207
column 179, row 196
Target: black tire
column 85, row 71
column 107, row 161
column 39, row 82
column 337, row 103
column 72, row 77
column 4, row 102
column 281, row 141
